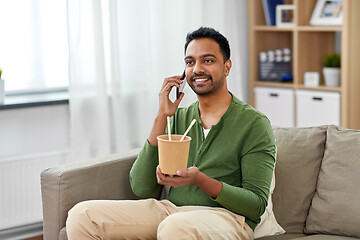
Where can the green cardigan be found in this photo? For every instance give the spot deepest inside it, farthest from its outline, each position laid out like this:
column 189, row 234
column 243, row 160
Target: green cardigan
column 239, row 151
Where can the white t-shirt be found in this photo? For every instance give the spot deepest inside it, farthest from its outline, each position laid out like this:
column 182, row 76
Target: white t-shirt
column 206, row 132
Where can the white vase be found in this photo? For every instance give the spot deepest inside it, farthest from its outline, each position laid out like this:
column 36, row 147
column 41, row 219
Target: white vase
column 331, row 76
column 2, row 91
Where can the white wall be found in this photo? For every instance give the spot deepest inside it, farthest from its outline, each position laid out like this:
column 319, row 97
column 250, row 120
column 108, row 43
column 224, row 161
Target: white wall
column 34, row 130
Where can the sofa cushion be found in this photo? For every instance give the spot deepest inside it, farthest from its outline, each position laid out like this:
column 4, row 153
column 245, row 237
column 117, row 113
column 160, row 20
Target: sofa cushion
column 62, row 234
column 335, row 207
column 299, row 155
column 268, row 225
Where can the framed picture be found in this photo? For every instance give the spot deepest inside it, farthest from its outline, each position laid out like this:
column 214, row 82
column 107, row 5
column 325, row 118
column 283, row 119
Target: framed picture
column 285, row 15
column 327, row 13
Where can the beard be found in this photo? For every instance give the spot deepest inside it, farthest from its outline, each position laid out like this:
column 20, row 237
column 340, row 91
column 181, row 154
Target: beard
column 208, row 87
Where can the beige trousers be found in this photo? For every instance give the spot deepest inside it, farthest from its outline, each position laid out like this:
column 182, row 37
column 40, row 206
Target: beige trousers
column 153, row 219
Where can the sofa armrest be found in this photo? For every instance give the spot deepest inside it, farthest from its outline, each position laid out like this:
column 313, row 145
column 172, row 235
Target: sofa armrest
column 64, row 186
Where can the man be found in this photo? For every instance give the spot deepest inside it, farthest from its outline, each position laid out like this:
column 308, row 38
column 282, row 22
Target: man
column 225, row 189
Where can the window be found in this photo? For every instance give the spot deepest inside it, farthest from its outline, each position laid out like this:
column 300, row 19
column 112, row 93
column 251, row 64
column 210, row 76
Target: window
column 33, row 44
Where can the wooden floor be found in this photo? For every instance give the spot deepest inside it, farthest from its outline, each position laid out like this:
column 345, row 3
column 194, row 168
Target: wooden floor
column 36, row 238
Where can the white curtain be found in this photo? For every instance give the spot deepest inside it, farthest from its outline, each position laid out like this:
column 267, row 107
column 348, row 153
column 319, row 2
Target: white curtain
column 120, row 52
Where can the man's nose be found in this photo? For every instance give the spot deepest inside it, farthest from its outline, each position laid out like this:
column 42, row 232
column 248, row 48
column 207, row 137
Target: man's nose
column 198, row 69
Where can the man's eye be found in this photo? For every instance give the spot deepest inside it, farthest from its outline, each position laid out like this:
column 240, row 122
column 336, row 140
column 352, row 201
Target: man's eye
column 189, row 62
column 209, row 60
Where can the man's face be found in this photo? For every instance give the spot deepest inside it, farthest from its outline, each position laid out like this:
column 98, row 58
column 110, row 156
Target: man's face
column 205, row 69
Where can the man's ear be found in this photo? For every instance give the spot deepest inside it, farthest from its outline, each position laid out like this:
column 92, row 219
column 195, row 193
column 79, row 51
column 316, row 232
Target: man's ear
column 228, row 65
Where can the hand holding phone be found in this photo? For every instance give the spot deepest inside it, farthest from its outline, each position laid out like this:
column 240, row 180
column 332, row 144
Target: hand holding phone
column 181, row 88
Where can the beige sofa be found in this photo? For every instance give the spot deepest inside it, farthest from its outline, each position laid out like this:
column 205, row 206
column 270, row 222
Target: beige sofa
column 316, row 196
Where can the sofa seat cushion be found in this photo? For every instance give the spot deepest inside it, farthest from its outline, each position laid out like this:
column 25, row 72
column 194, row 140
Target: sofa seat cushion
column 335, row 207
column 299, row 236
column 299, row 155
column 286, row 236
column 324, row 237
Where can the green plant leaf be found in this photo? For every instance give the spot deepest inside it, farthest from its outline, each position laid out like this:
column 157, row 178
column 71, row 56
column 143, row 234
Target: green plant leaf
column 332, row 60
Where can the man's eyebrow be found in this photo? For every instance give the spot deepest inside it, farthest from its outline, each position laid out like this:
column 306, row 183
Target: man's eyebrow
column 202, row 56
column 208, row 55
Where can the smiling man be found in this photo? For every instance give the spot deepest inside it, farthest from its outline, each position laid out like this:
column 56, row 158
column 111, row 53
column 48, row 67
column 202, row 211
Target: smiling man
column 225, row 189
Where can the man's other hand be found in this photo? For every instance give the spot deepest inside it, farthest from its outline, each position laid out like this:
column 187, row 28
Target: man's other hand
column 183, row 178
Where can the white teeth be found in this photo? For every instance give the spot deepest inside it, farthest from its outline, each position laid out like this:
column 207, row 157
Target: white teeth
column 201, row 80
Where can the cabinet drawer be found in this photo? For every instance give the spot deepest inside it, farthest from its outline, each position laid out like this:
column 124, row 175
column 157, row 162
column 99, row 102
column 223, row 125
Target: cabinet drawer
column 315, row 108
column 277, row 104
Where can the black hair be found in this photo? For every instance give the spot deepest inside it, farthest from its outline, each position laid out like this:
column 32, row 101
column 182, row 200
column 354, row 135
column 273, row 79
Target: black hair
column 206, row 32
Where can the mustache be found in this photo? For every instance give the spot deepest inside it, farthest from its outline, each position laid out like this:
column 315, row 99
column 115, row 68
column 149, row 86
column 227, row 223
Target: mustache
column 200, row 76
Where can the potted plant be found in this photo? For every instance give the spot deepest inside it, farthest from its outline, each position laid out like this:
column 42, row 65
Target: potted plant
column 2, row 89
column 331, row 70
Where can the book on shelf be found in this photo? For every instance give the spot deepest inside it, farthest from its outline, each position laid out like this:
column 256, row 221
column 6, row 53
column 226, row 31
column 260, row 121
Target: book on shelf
column 270, row 11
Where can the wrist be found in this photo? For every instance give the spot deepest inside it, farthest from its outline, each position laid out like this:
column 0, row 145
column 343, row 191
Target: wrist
column 200, row 180
column 209, row 185
column 158, row 129
column 161, row 116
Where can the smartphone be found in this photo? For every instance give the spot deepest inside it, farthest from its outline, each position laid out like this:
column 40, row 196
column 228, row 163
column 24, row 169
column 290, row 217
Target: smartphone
column 181, row 88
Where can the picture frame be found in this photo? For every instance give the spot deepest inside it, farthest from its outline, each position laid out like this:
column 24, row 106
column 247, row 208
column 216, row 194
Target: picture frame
column 285, row 15
column 327, row 13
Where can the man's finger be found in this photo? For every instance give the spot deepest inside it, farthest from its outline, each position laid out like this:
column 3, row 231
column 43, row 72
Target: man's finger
column 169, row 79
column 170, row 85
column 178, row 100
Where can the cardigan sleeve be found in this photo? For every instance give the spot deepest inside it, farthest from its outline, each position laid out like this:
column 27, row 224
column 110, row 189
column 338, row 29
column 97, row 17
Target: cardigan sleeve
column 143, row 172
